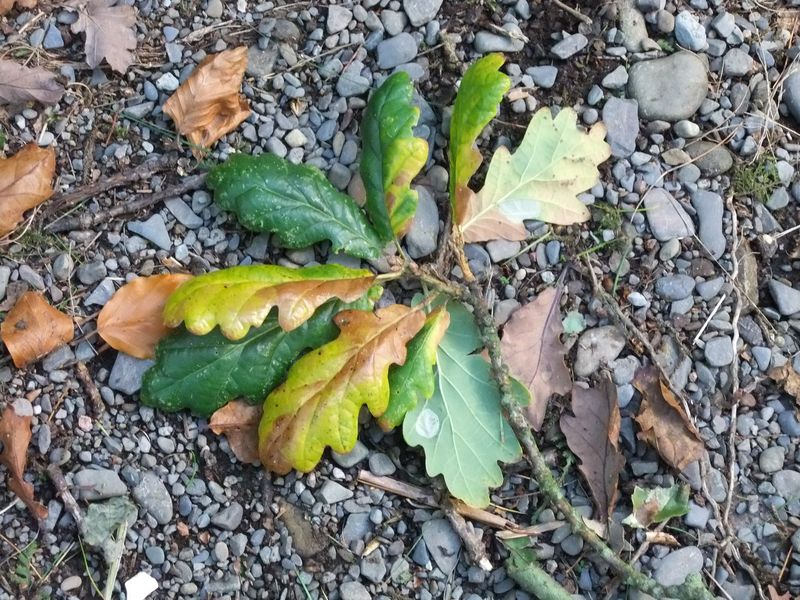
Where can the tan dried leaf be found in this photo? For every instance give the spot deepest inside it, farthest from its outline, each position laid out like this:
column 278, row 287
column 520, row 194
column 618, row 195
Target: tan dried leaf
column 7, row 5
column 775, row 595
column 132, row 321
column 208, row 104
column 661, row 538
column 238, row 421
column 110, row 32
column 593, row 435
column 15, row 435
column 19, row 84
column 787, row 377
column 25, row 182
column 663, row 422
column 534, row 352
column 33, row 329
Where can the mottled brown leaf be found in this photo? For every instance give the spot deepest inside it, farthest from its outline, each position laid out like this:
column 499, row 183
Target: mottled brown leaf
column 775, row 595
column 15, row 435
column 33, row 329
column 25, row 182
column 19, row 84
column 593, row 435
column 133, row 321
column 208, row 104
column 787, row 377
column 238, row 421
column 7, row 5
column 663, row 422
column 535, row 355
column 110, row 32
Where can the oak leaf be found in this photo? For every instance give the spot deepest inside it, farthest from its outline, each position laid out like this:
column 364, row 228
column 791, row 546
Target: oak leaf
column 241, row 297
column 318, row 404
column 33, row 329
column 20, row 84
column 15, row 436
column 534, row 352
column 238, row 422
column 208, row 104
column 593, row 435
column 7, row 5
column 110, row 32
column 25, row 182
column 786, row 376
column 132, row 321
column 663, row 422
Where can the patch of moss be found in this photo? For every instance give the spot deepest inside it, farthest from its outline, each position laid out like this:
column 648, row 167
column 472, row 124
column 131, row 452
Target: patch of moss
column 757, row 180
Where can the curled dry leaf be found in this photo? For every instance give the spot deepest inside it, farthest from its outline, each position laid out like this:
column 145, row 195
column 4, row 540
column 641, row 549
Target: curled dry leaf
column 19, row 84
column 532, row 348
column 664, row 424
column 593, row 435
column 208, row 104
column 15, row 435
column 789, row 378
column 33, row 329
column 238, row 421
column 132, row 321
column 25, row 182
column 7, row 5
column 110, row 32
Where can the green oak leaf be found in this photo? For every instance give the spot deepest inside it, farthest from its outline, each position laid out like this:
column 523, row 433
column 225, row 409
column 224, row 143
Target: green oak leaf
column 482, row 89
column 203, row 373
column 270, row 194
column 391, row 156
column 657, row 505
column 461, row 427
column 415, row 379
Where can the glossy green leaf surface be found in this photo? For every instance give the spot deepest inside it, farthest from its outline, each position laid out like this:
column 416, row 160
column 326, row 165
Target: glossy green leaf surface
column 391, row 156
column 657, row 505
column 270, row 194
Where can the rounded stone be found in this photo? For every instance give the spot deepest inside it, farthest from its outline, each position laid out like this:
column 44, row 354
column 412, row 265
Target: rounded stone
column 668, row 89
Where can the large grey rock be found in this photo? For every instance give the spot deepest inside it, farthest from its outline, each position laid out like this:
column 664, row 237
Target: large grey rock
column 443, row 543
column 422, row 237
column 622, row 122
column 98, row 484
column 709, row 207
column 668, row 89
column 596, row 347
column 676, row 566
column 127, row 372
column 152, row 496
column 786, row 298
column 421, row 11
column 737, row 63
column 689, row 32
column 712, row 159
column 667, row 218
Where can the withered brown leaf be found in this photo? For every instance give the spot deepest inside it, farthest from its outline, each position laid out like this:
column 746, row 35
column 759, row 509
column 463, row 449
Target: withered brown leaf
column 593, row 435
column 786, row 376
column 20, row 84
column 663, row 422
column 15, row 435
column 33, row 329
column 110, row 32
column 238, row 421
column 25, row 182
column 534, row 352
column 209, row 104
column 7, row 5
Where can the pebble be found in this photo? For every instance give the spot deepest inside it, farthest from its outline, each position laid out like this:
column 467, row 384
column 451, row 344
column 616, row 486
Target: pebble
column 422, row 237
column 353, row 590
column 154, row 230
column 127, row 373
column 92, row 272
column 352, row 458
column 214, row 9
column 569, row 46
column 443, row 544
column 228, row 518
column 71, row 583
column 596, row 347
column 543, row 76
column 185, row 215
column 486, row 42
column 674, row 287
column 622, row 122
column 421, row 12
column 152, row 496
column 332, row 492
column 787, row 299
column 396, row 50
column 787, row 484
column 652, row 83
column 617, row 79
column 666, row 217
column 771, row 460
column 155, row 555
column 97, row 484
column 791, row 94
column 167, row 82
column 676, row 566
column 689, row 32
column 373, row 566
column 737, row 63
column 712, row 159
column 380, row 464
column 709, row 207
column 339, row 18
column 719, row 351
column 62, row 267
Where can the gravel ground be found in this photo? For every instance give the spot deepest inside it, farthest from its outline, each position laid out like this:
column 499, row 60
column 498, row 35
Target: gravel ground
column 693, row 94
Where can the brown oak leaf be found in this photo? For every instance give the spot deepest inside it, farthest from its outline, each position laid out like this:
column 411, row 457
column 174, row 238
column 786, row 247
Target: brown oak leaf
column 209, row 104
column 775, row 595
column 238, row 421
column 19, row 84
column 33, row 329
column 663, row 422
column 25, row 182
column 15, row 435
column 593, row 435
column 110, row 32
column 786, row 376
column 534, row 352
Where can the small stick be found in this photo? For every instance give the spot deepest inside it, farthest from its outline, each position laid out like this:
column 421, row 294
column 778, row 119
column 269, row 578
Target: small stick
column 573, row 11
column 57, row 477
column 708, row 320
column 90, row 388
column 472, row 541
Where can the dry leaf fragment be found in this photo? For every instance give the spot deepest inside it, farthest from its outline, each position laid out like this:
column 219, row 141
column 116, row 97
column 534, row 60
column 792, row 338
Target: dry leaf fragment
column 19, row 84
column 15, row 435
column 110, row 32
column 775, row 595
column 535, row 355
column 662, row 538
column 25, row 182
column 593, row 435
column 132, row 321
column 786, row 376
column 664, row 424
column 238, row 421
column 7, row 5
column 33, row 329
column 208, row 104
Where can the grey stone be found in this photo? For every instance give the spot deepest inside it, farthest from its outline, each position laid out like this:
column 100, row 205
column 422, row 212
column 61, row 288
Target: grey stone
column 653, row 84
column 689, row 32
column 719, row 351
column 422, row 237
column 711, row 158
column 709, row 207
column 572, row 545
column 504, row 309
column 62, row 267
column 396, row 50
column 214, row 9
column 332, row 492
column 380, row 464
column 698, row 516
column 763, row 357
column 357, row 527
column 617, row 79
column 787, row 299
column 788, row 420
column 167, row 82
column 666, row 217
column 787, row 484
column 155, row 555
column 791, row 94
column 98, row 484
column 687, row 129
column 486, row 41
column 676, row 566
column 544, row 76
column 28, row 275
column 421, row 12
column 153, row 230
column 52, row 38
column 674, row 287
column 737, row 63
column 500, row 250
column 443, row 544
column 101, row 294
column 229, row 517
column 771, row 459
column 5, row 275
column 353, row 590
column 58, row 359
column 185, row 215
column 569, row 46
column 339, row 18
column 260, row 63
column 632, row 26
column 373, row 566
column 622, row 123
column 92, row 272
column 596, row 347
column 127, row 373
column 352, row 458
column 778, row 199
column 152, row 496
